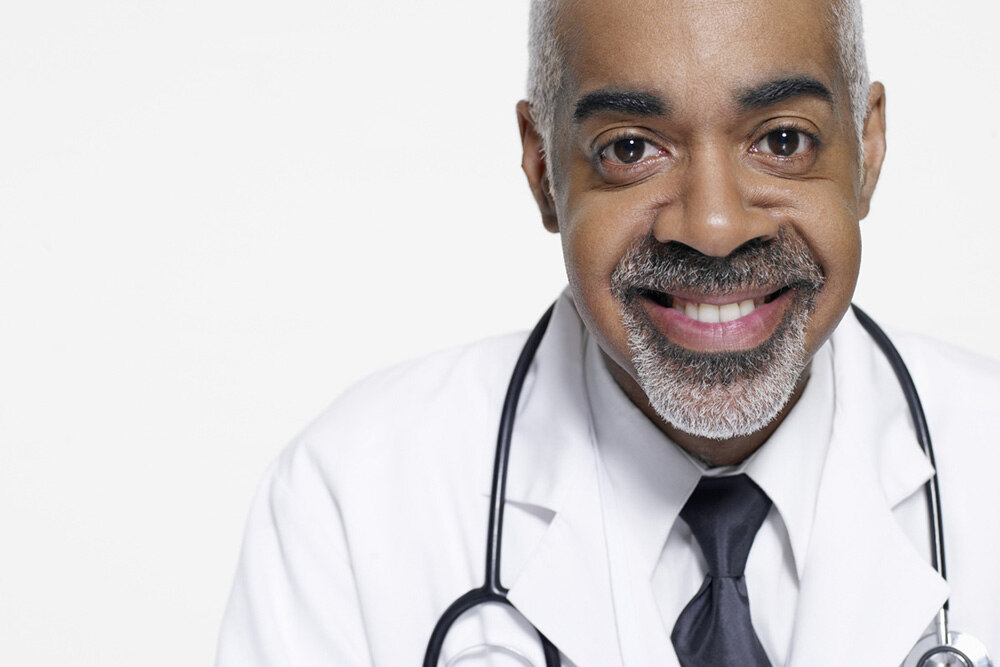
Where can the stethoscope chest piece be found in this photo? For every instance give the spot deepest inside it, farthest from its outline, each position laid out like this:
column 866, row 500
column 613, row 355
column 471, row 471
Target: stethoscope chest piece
column 961, row 651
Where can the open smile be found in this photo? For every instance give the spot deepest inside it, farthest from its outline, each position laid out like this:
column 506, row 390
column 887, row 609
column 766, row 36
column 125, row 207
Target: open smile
column 713, row 309
column 717, row 322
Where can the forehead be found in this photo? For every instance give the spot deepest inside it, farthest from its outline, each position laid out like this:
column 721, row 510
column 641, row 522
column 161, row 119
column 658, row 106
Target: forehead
column 697, row 52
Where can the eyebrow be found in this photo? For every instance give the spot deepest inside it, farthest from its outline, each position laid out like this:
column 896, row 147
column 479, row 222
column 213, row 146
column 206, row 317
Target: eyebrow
column 632, row 102
column 779, row 90
column 643, row 103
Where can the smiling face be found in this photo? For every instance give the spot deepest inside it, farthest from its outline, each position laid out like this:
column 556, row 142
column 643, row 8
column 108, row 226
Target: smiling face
column 707, row 188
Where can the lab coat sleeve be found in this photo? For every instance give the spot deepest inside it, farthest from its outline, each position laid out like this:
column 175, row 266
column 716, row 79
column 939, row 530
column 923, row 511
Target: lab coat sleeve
column 294, row 600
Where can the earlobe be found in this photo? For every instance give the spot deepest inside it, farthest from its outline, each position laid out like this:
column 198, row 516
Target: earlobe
column 873, row 144
column 534, row 164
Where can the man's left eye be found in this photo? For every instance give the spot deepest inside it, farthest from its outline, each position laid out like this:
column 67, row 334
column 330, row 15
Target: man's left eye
column 784, row 142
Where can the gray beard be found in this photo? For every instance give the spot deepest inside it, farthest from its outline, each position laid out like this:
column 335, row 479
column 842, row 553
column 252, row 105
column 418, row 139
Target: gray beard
column 718, row 395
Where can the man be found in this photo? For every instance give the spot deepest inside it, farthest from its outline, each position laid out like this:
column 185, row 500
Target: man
column 706, row 164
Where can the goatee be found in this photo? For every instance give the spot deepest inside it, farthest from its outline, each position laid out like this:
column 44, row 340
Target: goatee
column 718, row 395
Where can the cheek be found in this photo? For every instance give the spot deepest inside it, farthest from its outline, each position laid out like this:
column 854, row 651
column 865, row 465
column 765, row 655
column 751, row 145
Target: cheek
column 591, row 251
column 596, row 232
column 835, row 239
column 598, row 228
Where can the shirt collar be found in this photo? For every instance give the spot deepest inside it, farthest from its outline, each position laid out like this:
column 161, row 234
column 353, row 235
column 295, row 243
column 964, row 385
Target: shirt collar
column 790, row 464
column 652, row 477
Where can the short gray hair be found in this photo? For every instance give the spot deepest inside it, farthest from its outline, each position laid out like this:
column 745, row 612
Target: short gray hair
column 545, row 68
column 546, row 57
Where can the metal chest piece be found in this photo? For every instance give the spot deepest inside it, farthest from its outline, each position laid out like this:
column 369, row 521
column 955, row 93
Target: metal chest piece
column 962, row 650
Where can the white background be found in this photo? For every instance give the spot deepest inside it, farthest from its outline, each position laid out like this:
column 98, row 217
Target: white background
column 216, row 215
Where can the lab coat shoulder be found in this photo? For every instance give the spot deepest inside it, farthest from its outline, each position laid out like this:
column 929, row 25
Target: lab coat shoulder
column 969, row 368
column 406, row 409
column 960, row 392
column 357, row 505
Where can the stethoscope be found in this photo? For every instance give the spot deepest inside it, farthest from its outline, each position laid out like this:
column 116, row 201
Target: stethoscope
column 941, row 648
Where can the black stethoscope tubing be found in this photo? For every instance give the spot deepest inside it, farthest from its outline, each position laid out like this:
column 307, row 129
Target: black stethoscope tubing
column 931, row 489
column 492, row 591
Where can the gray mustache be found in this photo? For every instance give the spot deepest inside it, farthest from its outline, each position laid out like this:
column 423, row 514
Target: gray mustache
column 783, row 261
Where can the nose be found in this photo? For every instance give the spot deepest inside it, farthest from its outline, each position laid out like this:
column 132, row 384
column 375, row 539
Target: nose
column 715, row 211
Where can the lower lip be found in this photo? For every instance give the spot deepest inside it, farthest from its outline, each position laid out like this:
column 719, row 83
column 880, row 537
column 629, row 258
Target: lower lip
column 744, row 333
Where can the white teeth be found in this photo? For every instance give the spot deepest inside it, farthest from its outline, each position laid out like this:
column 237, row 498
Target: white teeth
column 729, row 312
column 708, row 313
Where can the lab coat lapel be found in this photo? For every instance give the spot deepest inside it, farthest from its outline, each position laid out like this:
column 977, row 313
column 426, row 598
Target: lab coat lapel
column 563, row 587
column 867, row 593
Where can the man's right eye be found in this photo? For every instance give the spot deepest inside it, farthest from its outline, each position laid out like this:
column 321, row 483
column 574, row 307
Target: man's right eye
column 628, row 150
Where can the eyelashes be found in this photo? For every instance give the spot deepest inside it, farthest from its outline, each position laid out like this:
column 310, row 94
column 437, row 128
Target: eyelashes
column 785, row 142
column 629, row 154
column 629, row 150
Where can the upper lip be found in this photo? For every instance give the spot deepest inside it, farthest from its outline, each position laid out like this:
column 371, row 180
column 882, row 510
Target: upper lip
column 720, row 298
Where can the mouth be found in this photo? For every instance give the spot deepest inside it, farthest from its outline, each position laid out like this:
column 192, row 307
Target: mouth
column 724, row 322
column 713, row 309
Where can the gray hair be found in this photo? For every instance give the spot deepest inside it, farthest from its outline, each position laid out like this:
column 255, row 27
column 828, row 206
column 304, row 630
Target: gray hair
column 545, row 63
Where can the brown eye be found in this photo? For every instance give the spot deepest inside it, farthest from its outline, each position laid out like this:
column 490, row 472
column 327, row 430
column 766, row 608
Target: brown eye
column 626, row 157
column 784, row 142
column 630, row 150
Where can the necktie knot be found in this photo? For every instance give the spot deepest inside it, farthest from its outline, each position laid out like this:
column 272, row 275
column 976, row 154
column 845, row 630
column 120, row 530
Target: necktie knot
column 715, row 627
column 724, row 514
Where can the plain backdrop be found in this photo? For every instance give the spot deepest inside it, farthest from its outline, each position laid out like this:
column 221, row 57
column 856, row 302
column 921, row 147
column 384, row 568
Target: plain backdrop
column 216, row 215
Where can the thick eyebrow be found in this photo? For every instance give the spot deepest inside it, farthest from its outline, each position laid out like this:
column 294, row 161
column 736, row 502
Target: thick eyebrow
column 632, row 102
column 779, row 90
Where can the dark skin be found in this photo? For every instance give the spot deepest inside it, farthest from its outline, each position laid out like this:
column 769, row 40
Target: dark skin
column 704, row 159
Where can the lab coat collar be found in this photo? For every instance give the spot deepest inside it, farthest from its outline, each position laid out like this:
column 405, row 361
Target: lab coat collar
column 563, row 588
column 552, row 438
column 867, row 592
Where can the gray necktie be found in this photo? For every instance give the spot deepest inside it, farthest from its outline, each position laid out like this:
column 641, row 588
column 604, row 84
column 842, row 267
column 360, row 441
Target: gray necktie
column 714, row 630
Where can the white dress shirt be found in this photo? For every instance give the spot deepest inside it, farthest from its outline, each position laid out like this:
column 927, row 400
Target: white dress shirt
column 649, row 478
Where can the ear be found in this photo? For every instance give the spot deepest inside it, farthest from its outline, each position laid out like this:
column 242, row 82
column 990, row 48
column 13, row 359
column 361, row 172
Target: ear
column 873, row 143
column 533, row 162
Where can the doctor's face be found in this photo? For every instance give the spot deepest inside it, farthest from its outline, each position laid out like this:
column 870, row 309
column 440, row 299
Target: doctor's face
column 707, row 187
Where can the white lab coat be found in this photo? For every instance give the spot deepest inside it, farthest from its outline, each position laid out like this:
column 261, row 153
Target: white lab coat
column 374, row 520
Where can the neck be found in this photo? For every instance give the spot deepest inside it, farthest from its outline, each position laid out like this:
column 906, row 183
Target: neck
column 711, row 452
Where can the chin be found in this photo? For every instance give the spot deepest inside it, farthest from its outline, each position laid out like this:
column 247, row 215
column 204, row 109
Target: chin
column 719, row 395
